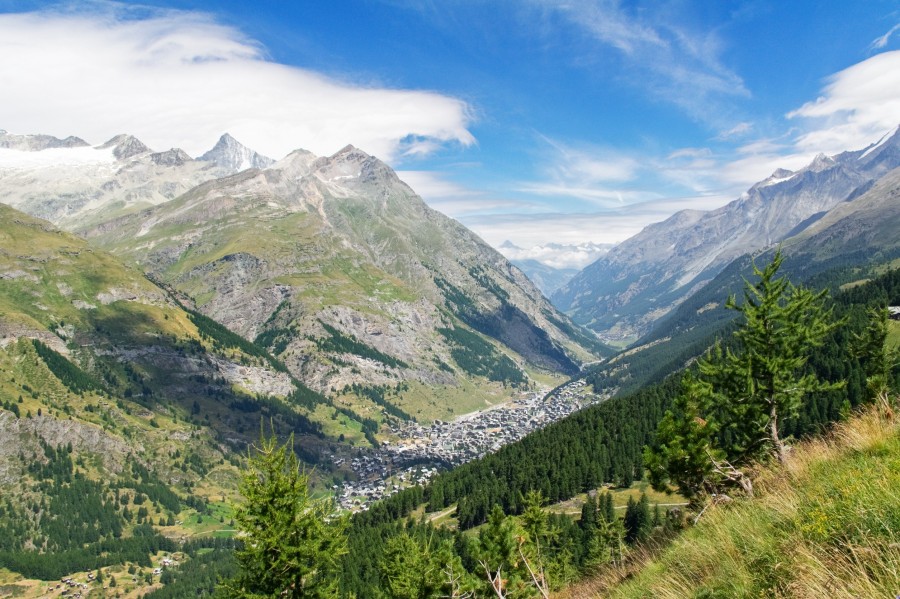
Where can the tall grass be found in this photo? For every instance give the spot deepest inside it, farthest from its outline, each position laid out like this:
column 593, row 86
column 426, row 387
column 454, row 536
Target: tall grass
column 826, row 524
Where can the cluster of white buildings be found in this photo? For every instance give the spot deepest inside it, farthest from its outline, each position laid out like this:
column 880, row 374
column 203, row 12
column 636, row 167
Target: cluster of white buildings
column 419, row 451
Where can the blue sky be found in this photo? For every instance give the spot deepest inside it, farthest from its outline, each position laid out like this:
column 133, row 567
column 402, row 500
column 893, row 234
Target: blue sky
column 541, row 122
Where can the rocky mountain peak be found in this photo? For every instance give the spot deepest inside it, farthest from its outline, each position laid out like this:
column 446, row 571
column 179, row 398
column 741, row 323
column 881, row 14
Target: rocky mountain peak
column 668, row 261
column 820, row 163
column 349, row 152
column 233, row 156
column 173, row 157
column 36, row 143
column 125, row 146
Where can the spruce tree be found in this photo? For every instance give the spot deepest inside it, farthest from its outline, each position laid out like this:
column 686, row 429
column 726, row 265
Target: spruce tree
column 293, row 543
column 730, row 412
column 782, row 325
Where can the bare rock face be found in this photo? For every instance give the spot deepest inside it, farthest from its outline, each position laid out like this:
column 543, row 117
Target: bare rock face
column 173, row 157
column 255, row 379
column 126, row 146
column 278, row 252
column 22, row 436
column 79, row 184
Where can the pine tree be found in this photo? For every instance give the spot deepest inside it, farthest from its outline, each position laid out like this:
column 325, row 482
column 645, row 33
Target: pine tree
column 877, row 359
column 730, row 413
column 637, row 519
column 292, row 543
column 684, row 452
column 406, row 569
column 496, row 550
column 782, row 325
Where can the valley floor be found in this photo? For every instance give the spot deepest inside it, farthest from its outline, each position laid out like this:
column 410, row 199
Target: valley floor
column 419, row 452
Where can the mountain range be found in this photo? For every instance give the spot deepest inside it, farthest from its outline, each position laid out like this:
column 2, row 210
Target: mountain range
column 332, row 264
column 626, row 292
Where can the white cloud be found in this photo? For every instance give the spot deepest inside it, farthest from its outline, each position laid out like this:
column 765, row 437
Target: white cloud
column 738, row 130
column 528, row 230
column 857, row 106
column 179, row 78
column 432, row 185
column 557, row 255
column 881, row 42
column 458, row 201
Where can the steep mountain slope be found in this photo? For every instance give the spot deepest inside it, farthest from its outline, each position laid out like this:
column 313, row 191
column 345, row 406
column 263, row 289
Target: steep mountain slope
column 624, row 293
column 823, row 524
column 547, row 278
column 854, row 241
column 344, row 272
column 117, row 336
column 67, row 181
column 230, row 155
column 863, row 229
column 122, row 412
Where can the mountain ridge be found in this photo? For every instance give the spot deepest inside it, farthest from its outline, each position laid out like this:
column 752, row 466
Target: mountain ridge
column 621, row 295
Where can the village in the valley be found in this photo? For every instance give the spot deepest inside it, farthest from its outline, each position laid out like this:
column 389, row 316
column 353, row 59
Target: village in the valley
column 419, row 452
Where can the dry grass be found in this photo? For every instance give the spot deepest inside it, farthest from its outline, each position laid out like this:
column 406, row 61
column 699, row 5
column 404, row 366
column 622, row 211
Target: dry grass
column 826, row 524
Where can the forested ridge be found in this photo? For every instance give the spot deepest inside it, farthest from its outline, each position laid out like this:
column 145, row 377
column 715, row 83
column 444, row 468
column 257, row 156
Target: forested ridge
column 597, row 446
column 600, row 446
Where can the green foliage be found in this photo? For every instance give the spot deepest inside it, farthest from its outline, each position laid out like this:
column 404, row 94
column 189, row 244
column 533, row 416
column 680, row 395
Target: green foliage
column 69, row 375
column 729, row 415
column 496, row 550
column 879, row 360
column 638, row 521
column 340, row 343
column 412, row 568
column 685, row 442
column 211, row 562
column 500, row 322
column 378, row 394
column 766, row 379
column 293, row 543
column 275, row 339
column 222, row 337
column 826, row 527
column 599, row 444
column 52, row 566
column 581, row 335
column 478, row 357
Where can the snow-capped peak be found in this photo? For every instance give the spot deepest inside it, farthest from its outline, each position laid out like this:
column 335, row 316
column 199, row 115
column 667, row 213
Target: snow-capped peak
column 234, row 157
column 820, row 163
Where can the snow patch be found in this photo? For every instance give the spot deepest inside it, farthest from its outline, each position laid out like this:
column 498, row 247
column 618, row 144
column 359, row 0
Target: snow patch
column 879, row 143
column 54, row 157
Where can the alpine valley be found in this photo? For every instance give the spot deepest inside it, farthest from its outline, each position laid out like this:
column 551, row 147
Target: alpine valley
column 626, row 292
column 159, row 313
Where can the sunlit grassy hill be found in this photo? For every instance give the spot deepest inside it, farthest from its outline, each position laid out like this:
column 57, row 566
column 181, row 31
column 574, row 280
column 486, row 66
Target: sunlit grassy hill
column 827, row 524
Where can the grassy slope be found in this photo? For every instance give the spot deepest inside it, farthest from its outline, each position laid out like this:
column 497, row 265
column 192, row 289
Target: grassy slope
column 826, row 525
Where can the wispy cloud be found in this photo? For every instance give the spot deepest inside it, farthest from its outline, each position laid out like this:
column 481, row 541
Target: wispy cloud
column 739, row 130
column 593, row 174
column 881, row 42
column 672, row 62
column 176, row 77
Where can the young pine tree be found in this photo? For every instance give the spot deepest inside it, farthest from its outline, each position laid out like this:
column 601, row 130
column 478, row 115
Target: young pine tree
column 292, row 543
column 731, row 412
